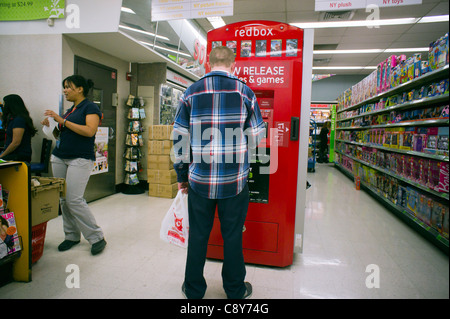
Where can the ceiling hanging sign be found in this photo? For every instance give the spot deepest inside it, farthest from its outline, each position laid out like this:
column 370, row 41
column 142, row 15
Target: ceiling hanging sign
column 178, row 79
column 394, row 3
column 344, row 5
column 13, row 10
column 163, row 10
column 326, row 5
column 205, row 9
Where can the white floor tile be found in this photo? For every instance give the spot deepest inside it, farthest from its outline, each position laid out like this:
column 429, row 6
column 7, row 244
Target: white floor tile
column 345, row 231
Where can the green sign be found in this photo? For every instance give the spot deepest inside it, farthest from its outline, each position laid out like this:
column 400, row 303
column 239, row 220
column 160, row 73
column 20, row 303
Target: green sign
column 13, row 10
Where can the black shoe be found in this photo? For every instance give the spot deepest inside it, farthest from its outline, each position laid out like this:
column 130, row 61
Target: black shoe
column 67, row 244
column 248, row 290
column 98, row 247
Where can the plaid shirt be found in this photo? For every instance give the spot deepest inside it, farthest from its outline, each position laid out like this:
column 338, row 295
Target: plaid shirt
column 217, row 121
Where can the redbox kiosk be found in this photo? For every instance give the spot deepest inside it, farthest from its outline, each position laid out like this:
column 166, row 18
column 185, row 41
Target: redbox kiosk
column 269, row 59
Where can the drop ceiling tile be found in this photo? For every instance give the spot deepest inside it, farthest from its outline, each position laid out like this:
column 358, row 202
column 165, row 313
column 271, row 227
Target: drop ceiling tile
column 302, row 16
column 303, row 5
column 419, row 37
column 279, row 16
column 440, row 8
column 375, row 39
column 334, row 32
column 429, row 27
column 382, row 30
column 258, row 6
column 351, row 59
column 326, row 40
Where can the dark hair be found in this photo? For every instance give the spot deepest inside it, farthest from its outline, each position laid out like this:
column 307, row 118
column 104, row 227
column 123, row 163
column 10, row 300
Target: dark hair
column 79, row 81
column 15, row 107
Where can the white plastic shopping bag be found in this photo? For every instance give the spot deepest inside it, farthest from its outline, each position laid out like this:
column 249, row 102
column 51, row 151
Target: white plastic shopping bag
column 175, row 225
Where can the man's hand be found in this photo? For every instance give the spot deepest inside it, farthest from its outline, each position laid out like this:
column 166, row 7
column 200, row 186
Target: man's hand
column 184, row 187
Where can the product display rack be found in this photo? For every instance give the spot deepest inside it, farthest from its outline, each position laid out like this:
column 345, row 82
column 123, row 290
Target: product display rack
column 134, row 142
column 312, row 146
column 356, row 153
column 319, row 114
column 15, row 177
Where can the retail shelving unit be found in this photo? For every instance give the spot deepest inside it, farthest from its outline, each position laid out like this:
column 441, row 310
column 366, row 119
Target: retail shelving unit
column 358, row 156
column 134, row 142
column 312, row 146
column 15, row 177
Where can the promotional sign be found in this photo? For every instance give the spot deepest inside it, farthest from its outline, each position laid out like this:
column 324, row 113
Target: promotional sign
column 344, row 5
column 101, row 151
column 269, row 60
column 163, row 10
column 13, row 10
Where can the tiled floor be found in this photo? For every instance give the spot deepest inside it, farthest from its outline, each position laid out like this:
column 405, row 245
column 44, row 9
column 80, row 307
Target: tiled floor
column 345, row 231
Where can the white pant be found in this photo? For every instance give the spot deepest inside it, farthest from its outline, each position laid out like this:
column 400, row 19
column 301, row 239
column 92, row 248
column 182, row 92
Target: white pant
column 77, row 217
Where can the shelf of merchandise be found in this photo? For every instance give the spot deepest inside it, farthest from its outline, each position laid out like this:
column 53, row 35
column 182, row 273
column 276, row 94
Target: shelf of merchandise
column 430, row 233
column 401, row 178
column 397, row 107
column 15, row 177
column 417, row 82
column 425, row 230
column 396, row 150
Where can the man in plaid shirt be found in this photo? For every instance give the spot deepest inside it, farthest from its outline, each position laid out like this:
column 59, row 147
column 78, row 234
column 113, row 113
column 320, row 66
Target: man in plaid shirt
column 217, row 122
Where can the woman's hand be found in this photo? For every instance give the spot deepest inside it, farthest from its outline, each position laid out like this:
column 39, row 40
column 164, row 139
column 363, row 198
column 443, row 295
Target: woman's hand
column 50, row 113
column 45, row 122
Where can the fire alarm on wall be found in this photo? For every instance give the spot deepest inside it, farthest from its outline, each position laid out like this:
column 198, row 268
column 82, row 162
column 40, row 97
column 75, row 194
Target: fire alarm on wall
column 129, row 76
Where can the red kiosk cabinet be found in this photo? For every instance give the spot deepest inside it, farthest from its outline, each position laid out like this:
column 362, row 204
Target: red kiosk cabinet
column 269, row 59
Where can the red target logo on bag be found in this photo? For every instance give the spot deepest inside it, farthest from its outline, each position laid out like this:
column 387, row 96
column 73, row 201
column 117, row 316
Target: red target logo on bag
column 178, row 223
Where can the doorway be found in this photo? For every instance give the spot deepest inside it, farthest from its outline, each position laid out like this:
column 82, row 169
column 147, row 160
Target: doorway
column 102, row 182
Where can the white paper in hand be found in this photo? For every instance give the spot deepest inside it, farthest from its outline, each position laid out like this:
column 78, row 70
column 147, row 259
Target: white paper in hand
column 48, row 130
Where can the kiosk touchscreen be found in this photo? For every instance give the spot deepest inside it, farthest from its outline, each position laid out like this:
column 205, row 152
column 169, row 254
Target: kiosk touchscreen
column 269, row 59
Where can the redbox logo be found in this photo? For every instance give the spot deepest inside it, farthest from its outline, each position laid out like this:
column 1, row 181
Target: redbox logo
column 254, row 32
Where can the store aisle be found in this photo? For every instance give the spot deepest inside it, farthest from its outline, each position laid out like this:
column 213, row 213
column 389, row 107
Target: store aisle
column 345, row 231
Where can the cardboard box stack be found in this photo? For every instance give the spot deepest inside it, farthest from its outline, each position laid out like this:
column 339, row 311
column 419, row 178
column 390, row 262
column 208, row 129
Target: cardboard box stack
column 161, row 175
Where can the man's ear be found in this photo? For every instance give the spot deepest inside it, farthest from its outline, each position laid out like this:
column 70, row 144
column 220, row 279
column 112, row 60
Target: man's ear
column 232, row 67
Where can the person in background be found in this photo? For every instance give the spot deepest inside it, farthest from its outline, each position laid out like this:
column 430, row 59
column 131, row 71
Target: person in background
column 323, row 147
column 19, row 129
column 217, row 175
column 73, row 159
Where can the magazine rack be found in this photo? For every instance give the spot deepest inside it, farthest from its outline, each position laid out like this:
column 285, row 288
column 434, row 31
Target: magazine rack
column 134, row 141
column 15, row 176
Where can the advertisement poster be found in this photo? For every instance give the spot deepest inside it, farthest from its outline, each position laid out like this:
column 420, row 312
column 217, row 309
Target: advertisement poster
column 101, row 151
column 13, row 10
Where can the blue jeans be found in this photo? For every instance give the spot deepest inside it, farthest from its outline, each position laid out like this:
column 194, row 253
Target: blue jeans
column 77, row 217
column 232, row 213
